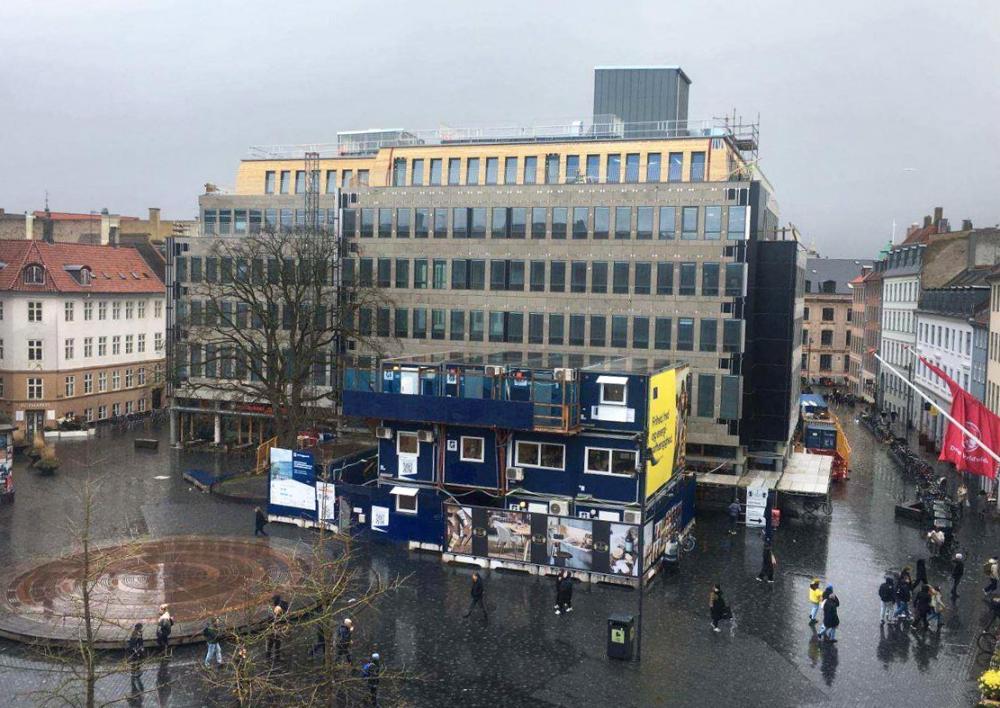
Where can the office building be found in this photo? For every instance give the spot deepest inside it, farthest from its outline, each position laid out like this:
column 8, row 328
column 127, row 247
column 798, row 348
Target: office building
column 81, row 333
column 558, row 238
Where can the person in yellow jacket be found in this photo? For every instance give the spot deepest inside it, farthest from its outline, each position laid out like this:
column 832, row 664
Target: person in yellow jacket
column 815, row 599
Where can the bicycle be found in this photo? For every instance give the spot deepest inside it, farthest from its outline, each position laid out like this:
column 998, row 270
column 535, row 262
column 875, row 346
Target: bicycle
column 688, row 543
column 812, row 509
column 988, row 637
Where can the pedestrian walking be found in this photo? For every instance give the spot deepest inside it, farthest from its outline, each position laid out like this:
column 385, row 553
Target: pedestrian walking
column 887, row 595
column 921, row 608
column 903, row 595
column 718, row 608
column 921, row 576
column 371, row 672
column 136, row 651
column 565, row 593
column 831, row 616
column 559, row 579
column 476, row 592
column 345, row 633
column 815, row 598
column 937, row 606
column 275, row 632
column 992, row 571
column 734, row 516
column 213, row 637
column 961, row 499
column 164, row 626
column 259, row 520
column 768, row 561
column 957, row 571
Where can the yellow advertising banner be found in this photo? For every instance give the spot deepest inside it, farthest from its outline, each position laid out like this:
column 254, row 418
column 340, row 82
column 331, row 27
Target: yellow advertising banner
column 666, row 427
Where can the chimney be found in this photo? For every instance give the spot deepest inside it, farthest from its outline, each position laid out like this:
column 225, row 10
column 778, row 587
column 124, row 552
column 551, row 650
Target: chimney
column 944, row 226
column 154, row 221
column 210, row 188
column 927, row 221
column 29, row 226
column 966, row 224
column 938, row 213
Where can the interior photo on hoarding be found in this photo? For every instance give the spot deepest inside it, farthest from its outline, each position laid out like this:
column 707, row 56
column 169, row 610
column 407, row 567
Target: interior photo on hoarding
column 459, row 528
column 624, row 549
column 509, row 535
column 570, row 543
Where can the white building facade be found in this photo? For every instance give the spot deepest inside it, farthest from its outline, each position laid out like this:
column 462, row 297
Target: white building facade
column 900, row 296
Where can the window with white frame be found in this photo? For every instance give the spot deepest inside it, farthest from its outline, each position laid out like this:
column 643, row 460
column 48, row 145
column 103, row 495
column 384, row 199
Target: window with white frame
column 1, row 388
column 88, row 415
column 88, row 383
column 33, row 275
column 34, row 350
column 548, row 456
column 142, row 405
column 88, row 311
column 102, row 346
column 116, row 380
column 1, row 348
column 158, row 341
column 116, row 310
column 70, row 386
column 68, row 310
column 69, row 347
column 472, row 449
column 613, row 392
column 102, row 382
column 116, row 409
column 88, row 347
column 102, row 310
column 116, row 345
column 34, row 312
column 129, row 378
column 406, row 504
column 129, row 309
column 34, row 389
column 102, row 412
column 1, row 309
column 129, row 343
column 601, row 460
column 142, row 376
column 128, row 407
column 140, row 344
column 407, row 443
column 140, row 309
column 157, row 308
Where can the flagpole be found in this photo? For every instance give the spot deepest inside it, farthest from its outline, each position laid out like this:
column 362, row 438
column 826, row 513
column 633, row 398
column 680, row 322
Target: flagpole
column 945, row 413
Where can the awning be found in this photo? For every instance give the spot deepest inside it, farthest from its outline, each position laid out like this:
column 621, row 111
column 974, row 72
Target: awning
column 405, row 491
column 621, row 380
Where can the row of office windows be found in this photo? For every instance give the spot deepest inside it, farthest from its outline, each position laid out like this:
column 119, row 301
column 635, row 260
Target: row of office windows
column 642, row 223
column 89, row 383
column 601, row 222
column 554, row 329
column 945, row 337
column 130, row 309
column 513, row 275
column 553, row 168
column 133, row 344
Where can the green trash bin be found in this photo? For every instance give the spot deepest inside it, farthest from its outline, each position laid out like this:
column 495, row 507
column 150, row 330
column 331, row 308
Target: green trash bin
column 621, row 636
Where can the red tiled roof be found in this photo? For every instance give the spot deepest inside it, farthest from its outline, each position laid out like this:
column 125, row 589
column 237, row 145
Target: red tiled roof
column 70, row 216
column 114, row 270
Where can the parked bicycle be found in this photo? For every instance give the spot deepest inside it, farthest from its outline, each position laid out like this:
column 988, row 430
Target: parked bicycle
column 688, row 542
column 815, row 509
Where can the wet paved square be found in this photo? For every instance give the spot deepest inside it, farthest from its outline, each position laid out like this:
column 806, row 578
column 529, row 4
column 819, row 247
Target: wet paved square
column 527, row 655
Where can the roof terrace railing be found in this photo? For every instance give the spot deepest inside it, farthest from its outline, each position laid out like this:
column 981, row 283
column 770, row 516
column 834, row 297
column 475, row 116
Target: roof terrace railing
column 367, row 142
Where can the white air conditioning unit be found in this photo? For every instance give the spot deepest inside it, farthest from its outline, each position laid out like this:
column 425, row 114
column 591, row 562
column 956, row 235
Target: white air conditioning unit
column 558, row 508
column 632, row 516
column 515, row 474
column 564, row 374
column 495, row 371
column 383, row 433
column 426, row 436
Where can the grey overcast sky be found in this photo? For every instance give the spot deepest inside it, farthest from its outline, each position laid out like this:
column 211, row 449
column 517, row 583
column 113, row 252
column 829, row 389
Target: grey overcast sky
column 870, row 110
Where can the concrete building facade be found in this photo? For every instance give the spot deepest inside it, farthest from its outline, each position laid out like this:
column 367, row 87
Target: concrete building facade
column 593, row 243
column 827, row 327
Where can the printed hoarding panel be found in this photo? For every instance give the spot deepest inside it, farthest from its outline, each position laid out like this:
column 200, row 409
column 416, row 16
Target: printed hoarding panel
column 293, row 479
column 666, row 427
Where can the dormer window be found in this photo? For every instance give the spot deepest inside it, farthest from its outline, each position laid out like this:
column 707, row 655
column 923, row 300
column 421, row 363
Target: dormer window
column 33, row 274
column 85, row 276
column 81, row 273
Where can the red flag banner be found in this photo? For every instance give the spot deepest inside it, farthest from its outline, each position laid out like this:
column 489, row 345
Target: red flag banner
column 959, row 448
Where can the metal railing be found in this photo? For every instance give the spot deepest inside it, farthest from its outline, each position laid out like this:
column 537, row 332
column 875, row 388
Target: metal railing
column 744, row 136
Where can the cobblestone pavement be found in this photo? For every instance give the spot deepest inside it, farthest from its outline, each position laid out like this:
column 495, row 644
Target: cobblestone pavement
column 528, row 656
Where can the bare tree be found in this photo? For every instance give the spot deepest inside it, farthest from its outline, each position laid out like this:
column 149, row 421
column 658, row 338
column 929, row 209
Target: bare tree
column 335, row 585
column 270, row 324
